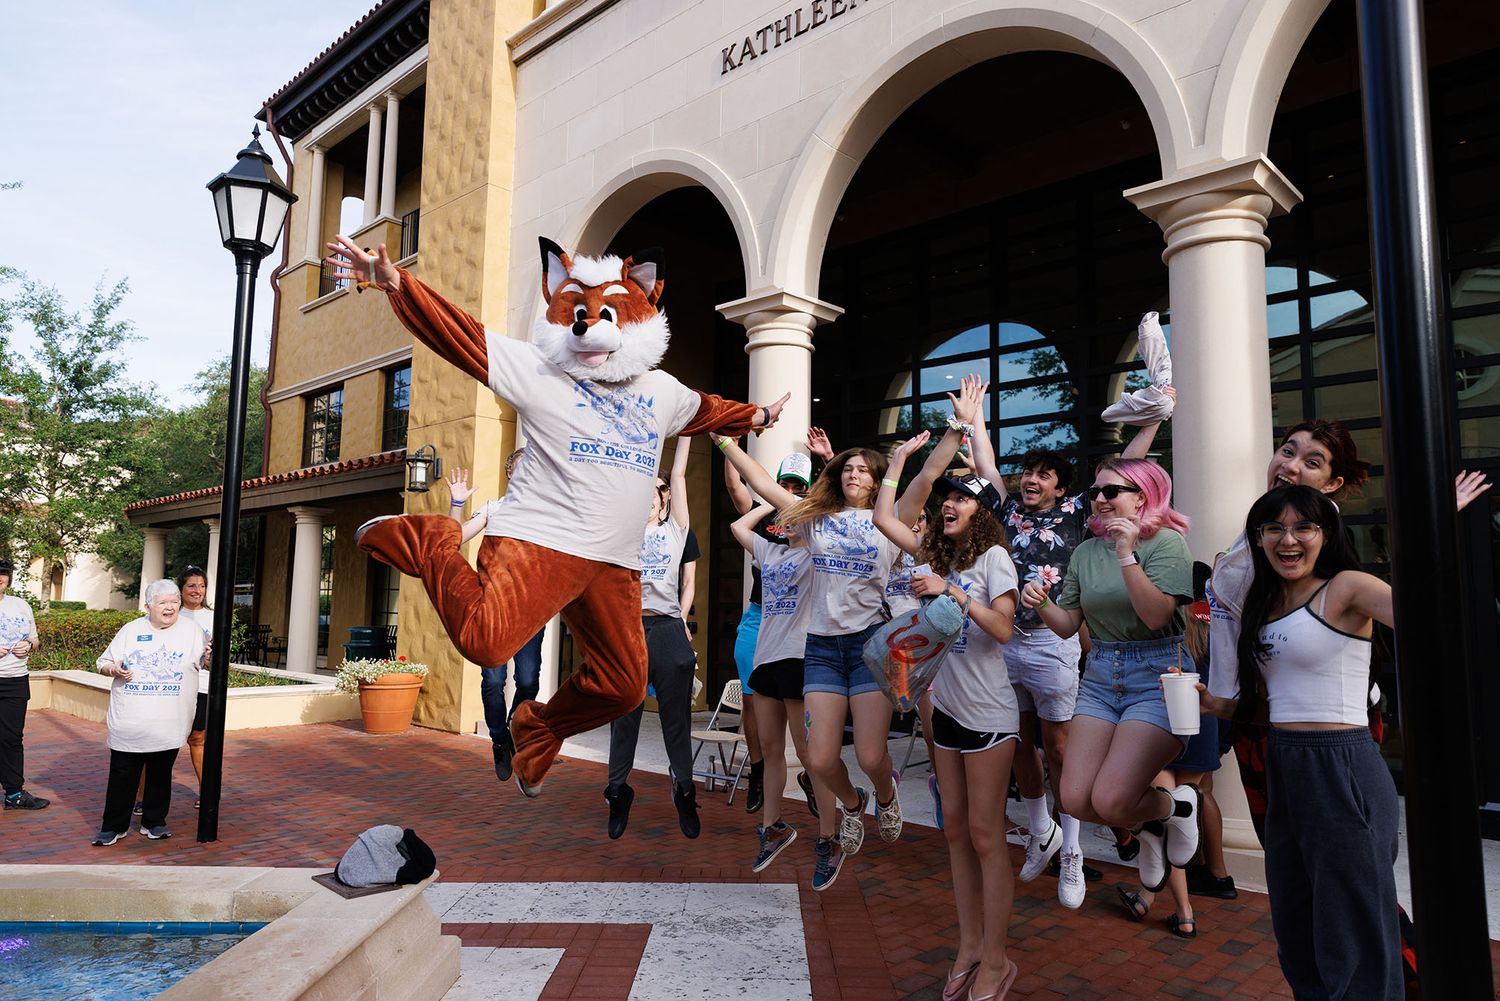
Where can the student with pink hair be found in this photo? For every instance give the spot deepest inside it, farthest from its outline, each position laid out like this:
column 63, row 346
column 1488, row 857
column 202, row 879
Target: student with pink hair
column 1130, row 583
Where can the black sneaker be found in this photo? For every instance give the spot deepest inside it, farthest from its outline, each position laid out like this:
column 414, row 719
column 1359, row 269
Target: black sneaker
column 772, row 840
column 106, row 838
column 502, row 752
column 1202, row 883
column 23, row 800
column 685, row 798
column 805, row 784
column 755, row 793
column 1090, row 874
column 619, row 810
column 828, row 859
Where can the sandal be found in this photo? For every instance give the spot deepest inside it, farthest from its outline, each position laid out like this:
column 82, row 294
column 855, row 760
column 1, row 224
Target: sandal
column 958, row 982
column 1175, row 926
column 1005, row 983
column 1134, row 903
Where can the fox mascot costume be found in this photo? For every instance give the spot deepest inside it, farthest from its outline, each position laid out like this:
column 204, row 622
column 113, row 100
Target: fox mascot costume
column 567, row 534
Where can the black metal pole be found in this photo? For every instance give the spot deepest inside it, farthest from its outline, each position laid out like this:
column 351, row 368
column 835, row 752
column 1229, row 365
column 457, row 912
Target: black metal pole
column 246, row 263
column 1417, row 389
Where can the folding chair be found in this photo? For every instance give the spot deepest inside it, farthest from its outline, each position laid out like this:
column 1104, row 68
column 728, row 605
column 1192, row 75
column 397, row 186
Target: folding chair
column 726, row 742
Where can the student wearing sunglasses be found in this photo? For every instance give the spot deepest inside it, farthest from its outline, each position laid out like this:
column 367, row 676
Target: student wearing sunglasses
column 1129, row 584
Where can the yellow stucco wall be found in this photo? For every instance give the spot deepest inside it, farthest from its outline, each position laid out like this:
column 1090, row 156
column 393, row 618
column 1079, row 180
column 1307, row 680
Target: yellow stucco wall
column 468, row 153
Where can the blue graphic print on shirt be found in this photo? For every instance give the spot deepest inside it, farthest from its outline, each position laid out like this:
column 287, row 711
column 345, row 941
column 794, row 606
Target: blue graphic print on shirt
column 779, row 590
column 656, row 556
column 628, row 437
column 847, row 545
column 13, row 629
column 157, row 672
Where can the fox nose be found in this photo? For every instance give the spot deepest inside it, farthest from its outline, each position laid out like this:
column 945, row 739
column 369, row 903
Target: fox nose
column 580, row 328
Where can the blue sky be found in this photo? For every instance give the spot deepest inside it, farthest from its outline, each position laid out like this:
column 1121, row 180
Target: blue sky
column 115, row 117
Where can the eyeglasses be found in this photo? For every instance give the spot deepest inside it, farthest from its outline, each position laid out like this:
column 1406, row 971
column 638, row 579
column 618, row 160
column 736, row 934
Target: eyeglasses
column 1275, row 531
column 1112, row 490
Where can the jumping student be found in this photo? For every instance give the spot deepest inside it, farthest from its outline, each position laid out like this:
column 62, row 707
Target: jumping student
column 974, row 715
column 1332, row 809
column 1129, row 584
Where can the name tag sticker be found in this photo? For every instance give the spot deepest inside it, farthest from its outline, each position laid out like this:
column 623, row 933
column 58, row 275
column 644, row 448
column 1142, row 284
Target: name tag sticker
column 144, row 638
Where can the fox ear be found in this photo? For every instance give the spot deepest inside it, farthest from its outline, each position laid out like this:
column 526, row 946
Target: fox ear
column 555, row 267
column 645, row 269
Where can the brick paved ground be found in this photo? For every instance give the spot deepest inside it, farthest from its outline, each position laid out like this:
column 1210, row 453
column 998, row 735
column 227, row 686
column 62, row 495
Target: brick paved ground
column 296, row 796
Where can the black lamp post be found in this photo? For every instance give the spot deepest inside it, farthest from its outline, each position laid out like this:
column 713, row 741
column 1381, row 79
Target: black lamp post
column 252, row 203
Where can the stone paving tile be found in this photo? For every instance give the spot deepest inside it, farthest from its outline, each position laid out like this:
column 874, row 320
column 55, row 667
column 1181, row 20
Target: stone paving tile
column 297, row 796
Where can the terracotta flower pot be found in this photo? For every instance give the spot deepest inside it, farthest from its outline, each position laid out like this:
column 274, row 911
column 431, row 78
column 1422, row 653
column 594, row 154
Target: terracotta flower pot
column 387, row 703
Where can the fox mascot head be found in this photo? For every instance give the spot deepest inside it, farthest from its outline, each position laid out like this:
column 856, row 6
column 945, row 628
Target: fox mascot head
column 602, row 322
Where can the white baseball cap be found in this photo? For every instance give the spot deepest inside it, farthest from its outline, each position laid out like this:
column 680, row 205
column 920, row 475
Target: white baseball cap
column 795, row 467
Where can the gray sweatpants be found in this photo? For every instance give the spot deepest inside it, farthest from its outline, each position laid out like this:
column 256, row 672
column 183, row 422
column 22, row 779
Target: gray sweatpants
column 1330, row 847
column 669, row 667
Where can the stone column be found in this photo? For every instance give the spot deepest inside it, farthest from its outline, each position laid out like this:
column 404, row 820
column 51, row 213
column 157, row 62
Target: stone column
column 315, row 207
column 1215, row 228
column 372, row 165
column 153, row 558
column 388, row 165
column 778, row 339
column 307, row 573
column 211, row 568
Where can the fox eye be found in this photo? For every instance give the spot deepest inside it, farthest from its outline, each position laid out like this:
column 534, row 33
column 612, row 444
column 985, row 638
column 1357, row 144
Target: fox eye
column 580, row 313
column 605, row 313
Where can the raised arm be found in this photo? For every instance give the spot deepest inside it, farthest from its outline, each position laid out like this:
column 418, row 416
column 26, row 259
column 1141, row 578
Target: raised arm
column 886, row 516
column 1140, row 445
column 457, row 337
column 966, row 407
column 739, row 494
column 677, row 483
column 743, row 527
column 983, row 451
column 754, row 473
column 1470, row 486
column 716, row 414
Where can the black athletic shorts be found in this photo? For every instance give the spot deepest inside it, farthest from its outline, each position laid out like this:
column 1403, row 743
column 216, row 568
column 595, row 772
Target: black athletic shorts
column 778, row 679
column 951, row 735
column 200, row 717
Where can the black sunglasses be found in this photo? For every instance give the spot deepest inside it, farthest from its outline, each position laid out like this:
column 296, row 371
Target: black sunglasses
column 1111, row 491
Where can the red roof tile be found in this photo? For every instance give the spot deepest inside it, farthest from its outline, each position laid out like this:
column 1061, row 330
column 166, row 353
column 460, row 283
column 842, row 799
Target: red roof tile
column 337, row 42
column 391, row 458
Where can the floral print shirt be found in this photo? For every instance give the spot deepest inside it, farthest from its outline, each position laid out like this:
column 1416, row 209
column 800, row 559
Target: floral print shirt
column 1041, row 542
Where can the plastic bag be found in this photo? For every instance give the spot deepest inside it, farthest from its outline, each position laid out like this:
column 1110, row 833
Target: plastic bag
column 905, row 654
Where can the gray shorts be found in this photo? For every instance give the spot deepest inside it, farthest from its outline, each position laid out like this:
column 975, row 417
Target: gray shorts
column 1043, row 669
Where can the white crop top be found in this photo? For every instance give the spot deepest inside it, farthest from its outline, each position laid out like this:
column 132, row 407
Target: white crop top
column 1314, row 673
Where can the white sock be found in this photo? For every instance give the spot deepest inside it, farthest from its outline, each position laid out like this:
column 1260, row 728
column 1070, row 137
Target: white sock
column 1037, row 817
column 1069, row 827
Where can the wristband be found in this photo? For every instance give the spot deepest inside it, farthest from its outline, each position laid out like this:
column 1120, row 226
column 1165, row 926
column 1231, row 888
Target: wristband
column 1129, row 561
column 765, row 416
column 1045, row 602
column 722, row 444
column 888, row 483
column 457, row 503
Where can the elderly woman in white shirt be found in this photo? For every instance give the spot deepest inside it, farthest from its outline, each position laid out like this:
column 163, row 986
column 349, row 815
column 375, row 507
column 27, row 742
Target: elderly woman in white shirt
column 154, row 662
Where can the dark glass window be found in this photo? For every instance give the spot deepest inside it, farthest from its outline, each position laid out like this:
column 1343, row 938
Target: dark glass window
column 386, row 590
column 397, row 408
column 323, row 427
column 325, row 589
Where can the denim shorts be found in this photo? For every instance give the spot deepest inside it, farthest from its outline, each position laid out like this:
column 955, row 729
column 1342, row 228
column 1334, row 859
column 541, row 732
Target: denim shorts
column 837, row 664
column 1122, row 681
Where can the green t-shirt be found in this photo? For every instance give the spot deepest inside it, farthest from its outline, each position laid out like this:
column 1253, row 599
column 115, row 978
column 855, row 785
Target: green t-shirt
column 1095, row 582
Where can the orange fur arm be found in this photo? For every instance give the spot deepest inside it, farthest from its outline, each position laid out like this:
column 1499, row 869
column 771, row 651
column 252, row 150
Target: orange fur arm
column 457, row 337
column 718, row 414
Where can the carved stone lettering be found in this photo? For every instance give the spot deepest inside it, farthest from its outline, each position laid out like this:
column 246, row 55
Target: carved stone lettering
column 799, row 21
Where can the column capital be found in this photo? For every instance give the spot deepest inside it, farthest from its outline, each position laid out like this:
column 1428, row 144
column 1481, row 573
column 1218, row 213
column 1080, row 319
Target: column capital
column 309, row 515
column 779, row 301
column 391, row 97
column 212, row 523
column 316, row 150
column 1227, row 201
column 156, row 534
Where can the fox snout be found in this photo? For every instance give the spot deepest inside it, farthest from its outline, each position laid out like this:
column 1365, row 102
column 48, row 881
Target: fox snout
column 580, row 328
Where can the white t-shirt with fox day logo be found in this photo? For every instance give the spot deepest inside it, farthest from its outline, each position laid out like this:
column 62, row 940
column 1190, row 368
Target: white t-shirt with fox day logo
column 204, row 617
column 898, row 596
column 661, row 568
column 153, row 711
column 785, row 573
column 851, row 561
column 973, row 685
column 592, row 453
column 17, row 623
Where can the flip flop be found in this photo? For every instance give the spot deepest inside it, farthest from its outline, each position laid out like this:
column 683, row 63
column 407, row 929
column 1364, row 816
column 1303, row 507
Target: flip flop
column 1134, row 903
column 954, row 989
column 1004, row 988
column 1174, row 925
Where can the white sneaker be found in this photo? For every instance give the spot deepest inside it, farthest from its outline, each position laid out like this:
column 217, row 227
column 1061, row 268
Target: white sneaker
column 1153, row 857
column 888, row 816
column 1039, row 852
column 852, row 824
column 1185, row 833
column 1070, row 883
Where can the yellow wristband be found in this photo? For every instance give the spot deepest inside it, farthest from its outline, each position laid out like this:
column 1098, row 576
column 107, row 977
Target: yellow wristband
column 723, row 444
column 888, row 483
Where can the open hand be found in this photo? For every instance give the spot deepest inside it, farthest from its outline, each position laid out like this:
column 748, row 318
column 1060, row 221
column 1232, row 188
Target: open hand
column 818, row 444
column 458, row 485
column 970, row 396
column 1470, row 486
column 966, row 456
column 351, row 263
column 909, row 446
column 773, row 411
column 1033, row 594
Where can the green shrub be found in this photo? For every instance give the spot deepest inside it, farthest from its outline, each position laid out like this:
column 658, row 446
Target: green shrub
column 73, row 640
column 68, row 606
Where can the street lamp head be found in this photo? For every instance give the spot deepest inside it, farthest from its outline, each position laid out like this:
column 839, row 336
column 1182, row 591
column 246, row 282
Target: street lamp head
column 251, row 200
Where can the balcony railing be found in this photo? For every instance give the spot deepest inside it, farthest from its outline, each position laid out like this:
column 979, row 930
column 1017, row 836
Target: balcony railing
column 409, row 230
column 327, row 283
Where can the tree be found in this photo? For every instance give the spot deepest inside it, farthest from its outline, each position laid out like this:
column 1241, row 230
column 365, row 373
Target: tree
column 69, row 421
